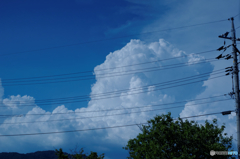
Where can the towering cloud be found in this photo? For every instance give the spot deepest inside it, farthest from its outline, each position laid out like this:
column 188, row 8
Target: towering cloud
column 131, row 85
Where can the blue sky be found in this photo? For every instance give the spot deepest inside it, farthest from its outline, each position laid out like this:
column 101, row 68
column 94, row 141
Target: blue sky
column 91, row 32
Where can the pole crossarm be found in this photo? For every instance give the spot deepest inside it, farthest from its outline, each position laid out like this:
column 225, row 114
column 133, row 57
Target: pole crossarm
column 220, row 36
column 230, row 38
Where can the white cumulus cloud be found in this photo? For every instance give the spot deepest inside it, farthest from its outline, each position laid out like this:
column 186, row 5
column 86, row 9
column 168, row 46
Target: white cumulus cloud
column 139, row 89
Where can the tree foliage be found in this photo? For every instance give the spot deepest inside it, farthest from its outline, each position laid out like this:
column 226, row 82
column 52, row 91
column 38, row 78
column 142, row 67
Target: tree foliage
column 164, row 138
column 78, row 155
column 60, row 154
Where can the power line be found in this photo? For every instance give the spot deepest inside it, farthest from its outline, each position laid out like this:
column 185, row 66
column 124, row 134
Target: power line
column 68, row 131
column 140, row 87
column 237, row 27
column 177, row 64
column 106, row 110
column 93, row 41
column 141, row 91
column 114, row 114
column 109, row 68
column 180, row 65
column 236, row 15
column 204, row 115
column 93, row 99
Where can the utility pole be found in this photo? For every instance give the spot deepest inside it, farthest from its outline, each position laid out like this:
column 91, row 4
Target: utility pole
column 235, row 78
column 236, row 84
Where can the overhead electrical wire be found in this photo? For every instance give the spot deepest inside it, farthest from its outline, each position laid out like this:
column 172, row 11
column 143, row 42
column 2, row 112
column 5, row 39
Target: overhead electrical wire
column 109, row 127
column 106, row 110
column 140, row 87
column 93, row 41
column 236, row 15
column 237, row 27
column 93, row 99
column 204, row 115
column 120, row 113
column 177, row 64
column 56, row 120
column 20, row 116
column 121, row 91
column 108, row 68
column 114, row 74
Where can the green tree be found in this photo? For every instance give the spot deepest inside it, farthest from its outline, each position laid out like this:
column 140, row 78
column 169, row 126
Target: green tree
column 60, row 154
column 78, row 155
column 164, row 138
column 94, row 155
